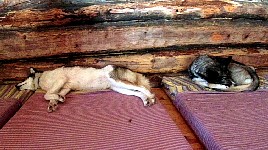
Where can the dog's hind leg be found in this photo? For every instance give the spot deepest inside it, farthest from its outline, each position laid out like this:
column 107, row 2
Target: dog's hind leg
column 123, row 78
column 142, row 96
column 130, row 87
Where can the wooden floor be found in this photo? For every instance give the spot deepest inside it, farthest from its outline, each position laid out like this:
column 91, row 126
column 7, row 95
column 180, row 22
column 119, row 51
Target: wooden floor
column 178, row 119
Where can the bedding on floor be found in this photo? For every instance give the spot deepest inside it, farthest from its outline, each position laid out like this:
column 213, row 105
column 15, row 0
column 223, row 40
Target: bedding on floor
column 227, row 120
column 182, row 83
column 10, row 101
column 99, row 120
column 222, row 120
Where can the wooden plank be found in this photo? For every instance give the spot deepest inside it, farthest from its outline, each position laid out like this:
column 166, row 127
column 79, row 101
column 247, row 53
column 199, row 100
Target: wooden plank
column 36, row 13
column 176, row 61
column 138, row 37
column 156, row 62
column 178, row 119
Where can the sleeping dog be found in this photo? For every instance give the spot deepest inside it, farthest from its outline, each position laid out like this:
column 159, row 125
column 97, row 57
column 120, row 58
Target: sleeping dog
column 223, row 74
column 57, row 83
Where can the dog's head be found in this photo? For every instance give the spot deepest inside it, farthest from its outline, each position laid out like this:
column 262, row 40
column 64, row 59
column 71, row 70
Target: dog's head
column 220, row 73
column 31, row 83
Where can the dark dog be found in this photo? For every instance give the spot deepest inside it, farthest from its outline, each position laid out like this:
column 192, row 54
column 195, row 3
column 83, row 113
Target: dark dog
column 223, row 74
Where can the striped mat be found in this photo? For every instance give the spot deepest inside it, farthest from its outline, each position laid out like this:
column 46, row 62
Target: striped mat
column 182, row 83
column 222, row 120
column 227, row 120
column 99, row 120
column 8, row 107
column 9, row 91
column 10, row 101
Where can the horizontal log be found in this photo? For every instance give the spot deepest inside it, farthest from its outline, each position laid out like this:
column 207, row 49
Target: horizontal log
column 107, row 38
column 156, row 62
column 36, row 13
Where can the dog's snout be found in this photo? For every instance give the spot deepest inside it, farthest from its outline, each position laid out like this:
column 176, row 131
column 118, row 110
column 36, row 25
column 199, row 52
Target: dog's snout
column 18, row 87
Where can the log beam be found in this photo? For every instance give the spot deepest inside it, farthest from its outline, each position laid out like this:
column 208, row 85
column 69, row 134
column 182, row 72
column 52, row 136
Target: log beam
column 156, row 62
column 36, row 13
column 145, row 36
column 138, row 37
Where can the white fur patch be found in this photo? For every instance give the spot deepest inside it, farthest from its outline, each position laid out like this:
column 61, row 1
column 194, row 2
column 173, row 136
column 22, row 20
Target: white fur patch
column 28, row 84
column 248, row 81
column 204, row 83
column 200, row 82
column 218, row 86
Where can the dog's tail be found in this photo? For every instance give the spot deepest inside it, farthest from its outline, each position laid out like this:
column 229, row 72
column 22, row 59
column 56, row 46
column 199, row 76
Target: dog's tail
column 247, row 87
column 130, row 77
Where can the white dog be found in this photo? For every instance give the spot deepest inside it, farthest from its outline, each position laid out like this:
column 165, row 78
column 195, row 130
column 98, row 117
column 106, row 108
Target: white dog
column 61, row 81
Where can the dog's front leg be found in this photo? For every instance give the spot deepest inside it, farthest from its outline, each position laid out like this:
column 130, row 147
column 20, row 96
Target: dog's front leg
column 62, row 93
column 53, row 94
column 52, row 105
column 53, row 101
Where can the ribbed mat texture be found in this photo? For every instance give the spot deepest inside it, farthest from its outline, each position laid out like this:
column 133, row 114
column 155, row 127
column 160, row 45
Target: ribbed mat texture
column 100, row 120
column 227, row 120
column 182, row 83
column 11, row 100
column 8, row 107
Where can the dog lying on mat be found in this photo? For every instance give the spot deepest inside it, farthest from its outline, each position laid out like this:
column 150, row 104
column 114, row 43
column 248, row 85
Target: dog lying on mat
column 223, row 74
column 57, row 83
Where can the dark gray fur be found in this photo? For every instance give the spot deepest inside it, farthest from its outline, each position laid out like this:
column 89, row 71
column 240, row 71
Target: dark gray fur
column 218, row 70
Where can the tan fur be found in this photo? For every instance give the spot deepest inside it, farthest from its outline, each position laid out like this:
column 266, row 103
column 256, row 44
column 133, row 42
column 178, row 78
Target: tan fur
column 76, row 78
column 61, row 81
column 130, row 77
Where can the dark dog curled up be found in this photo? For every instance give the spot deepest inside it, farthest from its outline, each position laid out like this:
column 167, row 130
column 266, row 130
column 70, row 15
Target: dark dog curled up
column 223, row 74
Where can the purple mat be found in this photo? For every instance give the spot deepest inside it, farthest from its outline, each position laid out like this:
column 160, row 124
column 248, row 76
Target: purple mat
column 227, row 120
column 8, row 107
column 101, row 120
column 10, row 101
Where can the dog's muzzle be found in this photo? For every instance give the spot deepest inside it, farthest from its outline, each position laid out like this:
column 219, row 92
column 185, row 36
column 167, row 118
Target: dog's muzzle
column 17, row 87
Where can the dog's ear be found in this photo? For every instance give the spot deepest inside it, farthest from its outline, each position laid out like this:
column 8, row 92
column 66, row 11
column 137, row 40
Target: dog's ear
column 229, row 59
column 224, row 61
column 32, row 70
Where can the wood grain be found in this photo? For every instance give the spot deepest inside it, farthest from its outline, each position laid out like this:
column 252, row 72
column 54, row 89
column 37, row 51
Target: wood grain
column 178, row 119
column 40, row 13
column 155, row 62
column 67, row 41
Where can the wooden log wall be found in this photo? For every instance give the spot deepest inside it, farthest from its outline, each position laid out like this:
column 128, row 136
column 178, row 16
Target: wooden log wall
column 145, row 36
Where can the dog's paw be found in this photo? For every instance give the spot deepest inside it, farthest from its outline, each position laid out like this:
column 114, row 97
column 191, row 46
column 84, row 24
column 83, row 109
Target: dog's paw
column 52, row 105
column 61, row 98
column 149, row 101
